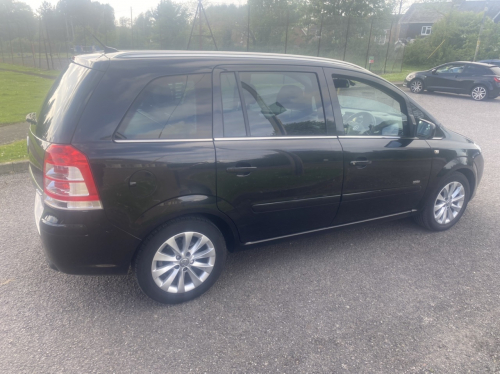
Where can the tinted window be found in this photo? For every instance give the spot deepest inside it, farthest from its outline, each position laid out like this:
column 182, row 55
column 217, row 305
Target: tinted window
column 59, row 109
column 477, row 70
column 495, row 71
column 234, row 124
column 283, row 104
column 367, row 110
column 450, row 69
column 175, row 107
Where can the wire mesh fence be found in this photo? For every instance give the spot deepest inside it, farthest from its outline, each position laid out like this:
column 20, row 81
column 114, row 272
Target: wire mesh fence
column 370, row 42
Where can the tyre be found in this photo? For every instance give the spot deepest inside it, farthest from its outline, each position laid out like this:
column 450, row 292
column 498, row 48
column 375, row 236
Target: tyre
column 479, row 93
column 181, row 260
column 446, row 204
column 417, row 86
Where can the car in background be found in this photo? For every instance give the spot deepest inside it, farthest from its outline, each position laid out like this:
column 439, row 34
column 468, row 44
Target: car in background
column 491, row 62
column 480, row 81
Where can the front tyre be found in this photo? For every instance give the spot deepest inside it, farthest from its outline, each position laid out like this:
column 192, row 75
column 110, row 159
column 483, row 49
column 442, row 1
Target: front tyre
column 479, row 93
column 417, row 86
column 181, row 260
column 446, row 204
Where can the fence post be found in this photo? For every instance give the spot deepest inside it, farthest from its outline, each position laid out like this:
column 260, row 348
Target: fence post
column 40, row 43
column 1, row 49
column 286, row 32
column 248, row 26
column 31, row 42
column 369, row 42
column 402, row 58
column 388, row 45
column 320, row 32
column 20, row 43
column 10, row 43
column 346, row 36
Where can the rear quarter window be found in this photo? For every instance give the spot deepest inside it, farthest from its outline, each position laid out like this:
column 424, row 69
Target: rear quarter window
column 173, row 107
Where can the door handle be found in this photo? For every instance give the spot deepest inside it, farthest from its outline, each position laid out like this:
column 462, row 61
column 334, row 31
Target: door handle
column 241, row 171
column 360, row 163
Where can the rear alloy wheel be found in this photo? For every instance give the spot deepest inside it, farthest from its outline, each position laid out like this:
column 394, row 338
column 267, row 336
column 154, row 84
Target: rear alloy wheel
column 417, row 86
column 446, row 204
column 479, row 93
column 181, row 260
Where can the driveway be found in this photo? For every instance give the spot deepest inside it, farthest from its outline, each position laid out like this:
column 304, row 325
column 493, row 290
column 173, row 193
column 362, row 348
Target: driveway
column 380, row 298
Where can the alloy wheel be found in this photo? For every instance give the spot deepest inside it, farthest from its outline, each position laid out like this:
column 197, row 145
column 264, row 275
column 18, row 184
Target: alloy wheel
column 479, row 93
column 183, row 262
column 449, row 203
column 416, row 86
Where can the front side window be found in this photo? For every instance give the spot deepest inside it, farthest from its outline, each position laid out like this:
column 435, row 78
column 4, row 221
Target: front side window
column 283, row 104
column 173, row 107
column 369, row 111
column 450, row 69
column 426, row 30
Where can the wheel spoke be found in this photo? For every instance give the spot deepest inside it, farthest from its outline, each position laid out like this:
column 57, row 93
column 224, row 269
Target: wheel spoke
column 160, row 271
column 194, row 278
column 202, row 266
column 440, row 213
column 188, row 236
column 437, row 207
column 203, row 240
column 210, row 252
column 180, row 284
column 163, row 257
column 458, row 198
column 169, row 280
column 173, row 244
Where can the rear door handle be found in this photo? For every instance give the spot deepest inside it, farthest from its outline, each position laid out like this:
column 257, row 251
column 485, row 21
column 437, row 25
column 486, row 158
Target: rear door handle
column 241, row 170
column 360, row 163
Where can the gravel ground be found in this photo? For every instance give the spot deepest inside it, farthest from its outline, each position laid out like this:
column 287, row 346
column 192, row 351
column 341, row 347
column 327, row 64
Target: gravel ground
column 380, row 298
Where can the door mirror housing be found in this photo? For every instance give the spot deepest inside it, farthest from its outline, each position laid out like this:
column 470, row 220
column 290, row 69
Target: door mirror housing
column 31, row 118
column 341, row 83
column 425, row 129
column 434, row 71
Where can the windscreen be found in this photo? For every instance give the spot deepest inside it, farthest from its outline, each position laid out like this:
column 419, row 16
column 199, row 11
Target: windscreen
column 60, row 111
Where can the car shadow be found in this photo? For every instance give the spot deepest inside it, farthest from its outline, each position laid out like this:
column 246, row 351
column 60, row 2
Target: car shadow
column 452, row 95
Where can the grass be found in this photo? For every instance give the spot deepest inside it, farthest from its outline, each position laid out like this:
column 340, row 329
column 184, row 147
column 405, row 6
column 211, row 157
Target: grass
column 20, row 94
column 400, row 77
column 22, row 69
column 13, row 152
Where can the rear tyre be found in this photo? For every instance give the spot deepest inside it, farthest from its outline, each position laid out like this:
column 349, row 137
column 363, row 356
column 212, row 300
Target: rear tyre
column 479, row 93
column 446, row 204
column 181, row 260
column 417, row 86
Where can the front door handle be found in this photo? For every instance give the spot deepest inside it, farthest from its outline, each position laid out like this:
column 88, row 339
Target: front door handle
column 241, row 171
column 360, row 163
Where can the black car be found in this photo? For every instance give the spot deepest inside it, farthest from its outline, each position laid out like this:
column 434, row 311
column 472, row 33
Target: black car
column 163, row 161
column 491, row 62
column 480, row 81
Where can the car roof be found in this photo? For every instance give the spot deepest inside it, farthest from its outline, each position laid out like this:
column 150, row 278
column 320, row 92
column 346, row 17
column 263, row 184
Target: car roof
column 218, row 58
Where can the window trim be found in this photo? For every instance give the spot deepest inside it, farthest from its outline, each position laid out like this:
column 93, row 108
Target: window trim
column 427, row 28
column 116, row 139
column 218, row 129
column 333, row 73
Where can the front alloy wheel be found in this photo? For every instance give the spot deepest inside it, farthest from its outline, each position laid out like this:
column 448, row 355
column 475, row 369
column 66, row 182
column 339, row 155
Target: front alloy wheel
column 449, row 203
column 479, row 93
column 416, row 86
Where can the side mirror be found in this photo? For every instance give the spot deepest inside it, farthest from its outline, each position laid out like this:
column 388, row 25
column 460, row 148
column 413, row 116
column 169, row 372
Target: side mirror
column 341, row 83
column 31, row 118
column 425, row 129
column 434, row 71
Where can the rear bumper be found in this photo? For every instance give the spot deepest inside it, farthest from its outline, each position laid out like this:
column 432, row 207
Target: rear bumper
column 85, row 242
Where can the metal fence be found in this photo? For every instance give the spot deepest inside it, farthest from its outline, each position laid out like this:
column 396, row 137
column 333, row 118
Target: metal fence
column 369, row 42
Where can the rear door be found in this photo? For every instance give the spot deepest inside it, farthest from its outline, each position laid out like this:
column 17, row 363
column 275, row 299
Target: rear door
column 386, row 169
column 471, row 75
column 279, row 161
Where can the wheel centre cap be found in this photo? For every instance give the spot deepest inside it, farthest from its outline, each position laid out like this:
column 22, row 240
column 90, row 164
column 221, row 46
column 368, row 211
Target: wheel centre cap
column 184, row 262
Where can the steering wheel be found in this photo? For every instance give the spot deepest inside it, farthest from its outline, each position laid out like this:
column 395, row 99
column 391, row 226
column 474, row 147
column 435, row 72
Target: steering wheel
column 364, row 127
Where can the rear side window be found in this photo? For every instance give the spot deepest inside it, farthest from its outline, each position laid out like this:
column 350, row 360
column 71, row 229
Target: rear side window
column 275, row 104
column 477, row 70
column 173, row 107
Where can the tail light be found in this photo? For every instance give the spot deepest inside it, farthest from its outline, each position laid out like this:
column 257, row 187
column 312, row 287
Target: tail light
column 67, row 179
column 497, row 79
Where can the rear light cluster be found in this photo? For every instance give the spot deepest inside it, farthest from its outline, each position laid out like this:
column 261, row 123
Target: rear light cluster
column 67, row 179
column 497, row 79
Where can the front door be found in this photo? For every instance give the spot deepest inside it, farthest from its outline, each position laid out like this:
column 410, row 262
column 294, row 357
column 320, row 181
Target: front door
column 446, row 78
column 279, row 161
column 386, row 169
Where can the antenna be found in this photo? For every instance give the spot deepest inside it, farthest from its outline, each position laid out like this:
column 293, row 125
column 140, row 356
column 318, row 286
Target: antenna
column 199, row 9
column 105, row 47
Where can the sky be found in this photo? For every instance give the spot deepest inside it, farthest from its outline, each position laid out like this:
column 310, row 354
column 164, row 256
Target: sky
column 122, row 7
